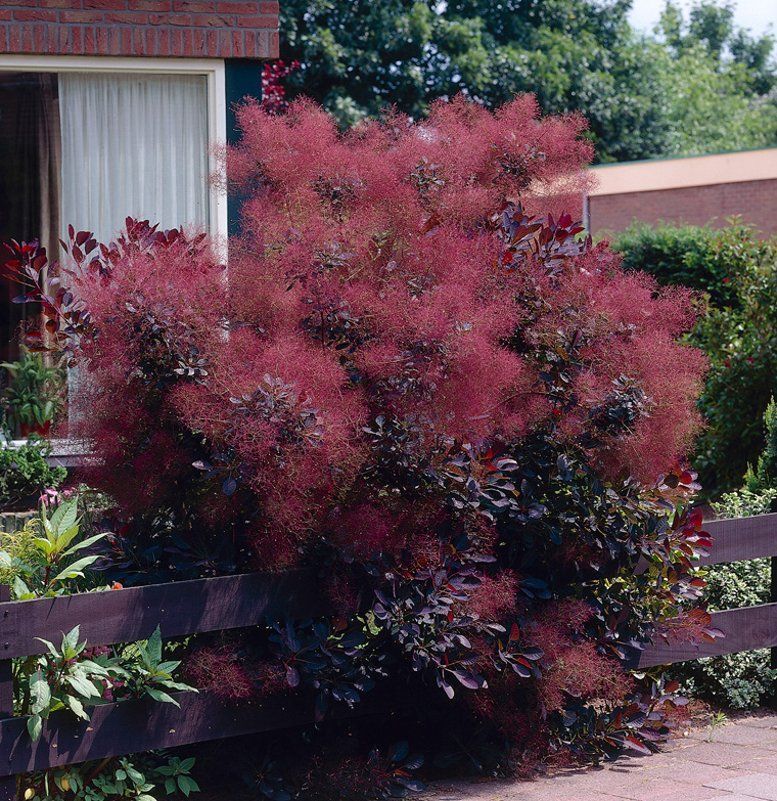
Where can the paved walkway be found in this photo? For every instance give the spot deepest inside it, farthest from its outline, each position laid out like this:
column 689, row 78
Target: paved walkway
column 735, row 761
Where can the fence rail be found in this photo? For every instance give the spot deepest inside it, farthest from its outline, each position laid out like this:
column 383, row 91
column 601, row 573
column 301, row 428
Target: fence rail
column 141, row 725
column 178, row 608
column 745, row 629
column 127, row 615
column 129, row 727
column 206, row 605
column 741, row 538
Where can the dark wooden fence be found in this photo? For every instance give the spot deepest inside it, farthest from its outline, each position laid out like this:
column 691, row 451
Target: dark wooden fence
column 746, row 629
column 230, row 602
column 106, row 618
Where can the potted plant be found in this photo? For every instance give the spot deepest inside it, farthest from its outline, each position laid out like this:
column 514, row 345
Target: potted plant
column 34, row 395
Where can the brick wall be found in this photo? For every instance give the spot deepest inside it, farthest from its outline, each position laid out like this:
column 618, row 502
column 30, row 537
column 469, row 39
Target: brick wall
column 189, row 28
column 755, row 201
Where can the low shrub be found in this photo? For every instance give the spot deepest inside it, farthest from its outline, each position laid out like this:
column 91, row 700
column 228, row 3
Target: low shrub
column 747, row 502
column 143, row 777
column 420, row 378
column 50, row 557
column 25, row 473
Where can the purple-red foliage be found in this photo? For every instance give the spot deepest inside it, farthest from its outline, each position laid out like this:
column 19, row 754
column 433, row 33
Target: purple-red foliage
column 407, row 302
column 372, row 279
column 219, row 670
column 575, row 665
column 369, row 278
column 273, row 91
column 495, row 597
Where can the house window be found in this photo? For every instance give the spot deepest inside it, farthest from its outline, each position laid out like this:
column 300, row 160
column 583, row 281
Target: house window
column 27, row 181
column 133, row 145
column 89, row 142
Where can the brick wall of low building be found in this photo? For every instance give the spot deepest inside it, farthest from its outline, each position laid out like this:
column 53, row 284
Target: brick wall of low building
column 755, row 201
column 182, row 28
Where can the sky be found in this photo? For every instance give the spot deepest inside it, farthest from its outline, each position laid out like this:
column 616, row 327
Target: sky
column 754, row 14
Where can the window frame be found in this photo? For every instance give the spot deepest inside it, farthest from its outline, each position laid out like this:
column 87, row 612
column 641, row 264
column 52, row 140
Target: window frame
column 212, row 69
column 69, row 451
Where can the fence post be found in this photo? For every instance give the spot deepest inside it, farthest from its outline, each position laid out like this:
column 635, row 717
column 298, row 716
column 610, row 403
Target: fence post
column 7, row 783
column 774, row 600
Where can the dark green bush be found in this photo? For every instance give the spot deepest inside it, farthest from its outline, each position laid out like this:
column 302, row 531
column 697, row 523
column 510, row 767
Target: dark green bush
column 741, row 344
column 25, row 473
column 738, row 272
column 702, row 258
column 762, row 477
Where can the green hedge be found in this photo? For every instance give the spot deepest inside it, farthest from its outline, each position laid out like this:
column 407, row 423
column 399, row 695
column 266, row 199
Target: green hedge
column 701, row 258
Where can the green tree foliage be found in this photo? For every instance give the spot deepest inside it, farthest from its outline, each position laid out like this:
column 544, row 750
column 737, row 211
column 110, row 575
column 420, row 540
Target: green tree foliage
column 711, row 24
column 697, row 85
column 716, row 80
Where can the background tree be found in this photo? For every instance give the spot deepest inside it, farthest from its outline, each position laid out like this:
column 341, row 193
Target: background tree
column 716, row 79
column 644, row 96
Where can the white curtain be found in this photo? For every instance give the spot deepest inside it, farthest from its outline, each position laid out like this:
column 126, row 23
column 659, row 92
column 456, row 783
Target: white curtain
column 133, row 145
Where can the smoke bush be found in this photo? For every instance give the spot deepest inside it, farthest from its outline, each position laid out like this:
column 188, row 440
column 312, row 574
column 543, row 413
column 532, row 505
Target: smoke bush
column 418, row 375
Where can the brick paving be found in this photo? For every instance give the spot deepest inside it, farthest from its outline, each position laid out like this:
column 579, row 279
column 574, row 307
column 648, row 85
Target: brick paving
column 734, row 761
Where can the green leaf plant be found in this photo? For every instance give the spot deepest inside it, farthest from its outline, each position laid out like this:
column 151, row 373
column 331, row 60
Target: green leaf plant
column 74, row 677
column 35, row 393
column 50, row 557
column 25, row 473
column 143, row 777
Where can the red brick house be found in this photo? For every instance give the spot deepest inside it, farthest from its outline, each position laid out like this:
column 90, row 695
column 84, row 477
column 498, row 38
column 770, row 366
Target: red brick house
column 701, row 190
column 111, row 108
